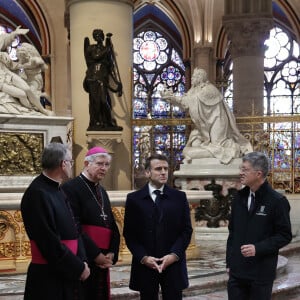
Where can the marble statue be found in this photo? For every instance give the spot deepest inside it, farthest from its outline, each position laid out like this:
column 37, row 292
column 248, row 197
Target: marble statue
column 101, row 78
column 215, row 134
column 20, row 82
column 32, row 66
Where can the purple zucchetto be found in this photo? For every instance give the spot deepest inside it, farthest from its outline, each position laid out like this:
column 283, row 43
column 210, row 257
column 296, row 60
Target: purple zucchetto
column 96, row 150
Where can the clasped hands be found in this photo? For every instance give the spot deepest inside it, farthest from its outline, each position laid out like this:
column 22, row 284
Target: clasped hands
column 160, row 264
column 104, row 261
column 248, row 250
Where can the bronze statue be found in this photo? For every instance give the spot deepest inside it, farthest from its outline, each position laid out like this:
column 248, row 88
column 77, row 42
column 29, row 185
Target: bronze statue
column 101, row 78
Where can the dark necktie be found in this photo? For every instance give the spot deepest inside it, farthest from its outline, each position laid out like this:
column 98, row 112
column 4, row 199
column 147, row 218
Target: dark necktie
column 158, row 200
column 252, row 203
column 159, row 229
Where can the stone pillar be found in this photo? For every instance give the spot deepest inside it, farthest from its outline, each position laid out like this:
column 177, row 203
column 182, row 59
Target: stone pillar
column 113, row 16
column 203, row 59
column 248, row 25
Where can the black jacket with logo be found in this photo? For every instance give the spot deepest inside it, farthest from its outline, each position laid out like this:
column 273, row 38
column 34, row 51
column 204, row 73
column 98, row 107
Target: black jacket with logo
column 268, row 228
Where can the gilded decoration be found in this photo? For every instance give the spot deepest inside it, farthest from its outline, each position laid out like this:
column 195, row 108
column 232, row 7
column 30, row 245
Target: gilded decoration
column 9, row 219
column 119, row 213
column 9, row 231
column 279, row 138
column 20, row 153
column 3, row 228
column 26, row 250
column 7, row 250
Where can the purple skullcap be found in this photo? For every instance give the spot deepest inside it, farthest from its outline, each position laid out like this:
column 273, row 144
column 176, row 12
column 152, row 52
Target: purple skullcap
column 96, row 150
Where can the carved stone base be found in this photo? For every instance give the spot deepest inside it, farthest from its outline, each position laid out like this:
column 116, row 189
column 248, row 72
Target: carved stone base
column 105, row 139
column 22, row 139
column 210, row 175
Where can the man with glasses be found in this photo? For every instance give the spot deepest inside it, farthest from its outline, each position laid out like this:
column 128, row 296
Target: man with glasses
column 58, row 257
column 259, row 226
column 94, row 217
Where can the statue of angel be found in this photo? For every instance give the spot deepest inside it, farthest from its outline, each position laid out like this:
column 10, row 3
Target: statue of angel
column 101, row 78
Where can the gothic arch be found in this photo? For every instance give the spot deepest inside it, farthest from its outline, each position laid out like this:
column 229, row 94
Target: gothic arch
column 174, row 13
column 28, row 14
column 290, row 15
column 42, row 23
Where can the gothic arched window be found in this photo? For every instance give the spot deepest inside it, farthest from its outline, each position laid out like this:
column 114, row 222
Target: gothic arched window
column 158, row 126
column 282, row 74
column 281, row 99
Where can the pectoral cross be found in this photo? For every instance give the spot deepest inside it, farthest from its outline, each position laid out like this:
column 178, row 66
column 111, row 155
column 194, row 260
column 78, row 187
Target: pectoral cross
column 103, row 215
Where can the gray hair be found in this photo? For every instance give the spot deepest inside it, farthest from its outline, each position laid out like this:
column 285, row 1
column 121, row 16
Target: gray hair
column 53, row 154
column 259, row 161
column 92, row 157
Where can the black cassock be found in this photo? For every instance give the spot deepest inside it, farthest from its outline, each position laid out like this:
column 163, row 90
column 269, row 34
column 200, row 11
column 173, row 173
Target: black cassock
column 55, row 270
column 88, row 200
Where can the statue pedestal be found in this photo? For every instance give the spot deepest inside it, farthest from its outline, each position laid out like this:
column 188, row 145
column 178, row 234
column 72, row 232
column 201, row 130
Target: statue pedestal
column 108, row 140
column 22, row 139
column 202, row 171
column 209, row 174
column 105, row 139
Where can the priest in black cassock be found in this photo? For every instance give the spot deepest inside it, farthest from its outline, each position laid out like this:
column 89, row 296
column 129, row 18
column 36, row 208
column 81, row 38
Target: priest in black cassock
column 58, row 258
column 93, row 214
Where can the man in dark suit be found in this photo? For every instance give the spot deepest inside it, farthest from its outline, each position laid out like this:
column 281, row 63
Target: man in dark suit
column 157, row 231
column 258, row 227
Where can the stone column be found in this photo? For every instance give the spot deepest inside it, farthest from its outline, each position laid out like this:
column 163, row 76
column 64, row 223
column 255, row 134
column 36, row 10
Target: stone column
column 203, row 59
column 116, row 17
column 248, row 25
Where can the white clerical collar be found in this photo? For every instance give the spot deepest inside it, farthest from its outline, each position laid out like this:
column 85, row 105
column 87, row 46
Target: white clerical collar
column 88, row 179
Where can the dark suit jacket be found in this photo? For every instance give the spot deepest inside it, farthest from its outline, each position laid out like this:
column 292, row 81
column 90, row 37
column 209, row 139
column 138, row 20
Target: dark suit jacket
column 268, row 228
column 140, row 232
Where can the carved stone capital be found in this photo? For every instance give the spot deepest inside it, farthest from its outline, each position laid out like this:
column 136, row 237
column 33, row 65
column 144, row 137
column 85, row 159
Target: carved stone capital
column 70, row 2
column 247, row 34
column 105, row 139
column 202, row 50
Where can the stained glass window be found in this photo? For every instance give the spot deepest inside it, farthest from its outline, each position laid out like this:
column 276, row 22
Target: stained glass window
column 157, row 65
column 282, row 78
column 16, row 42
column 281, row 97
column 281, row 100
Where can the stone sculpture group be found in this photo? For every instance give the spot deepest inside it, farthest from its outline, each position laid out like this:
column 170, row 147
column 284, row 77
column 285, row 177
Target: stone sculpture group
column 21, row 81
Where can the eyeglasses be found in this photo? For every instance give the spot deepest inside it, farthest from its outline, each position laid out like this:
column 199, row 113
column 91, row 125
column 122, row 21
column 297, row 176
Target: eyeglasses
column 247, row 170
column 71, row 161
column 102, row 164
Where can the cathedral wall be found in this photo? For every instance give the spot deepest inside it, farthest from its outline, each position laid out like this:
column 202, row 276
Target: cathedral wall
column 59, row 56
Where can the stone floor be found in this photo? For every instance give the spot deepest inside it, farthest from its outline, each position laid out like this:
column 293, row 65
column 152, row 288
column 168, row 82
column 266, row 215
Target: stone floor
column 207, row 276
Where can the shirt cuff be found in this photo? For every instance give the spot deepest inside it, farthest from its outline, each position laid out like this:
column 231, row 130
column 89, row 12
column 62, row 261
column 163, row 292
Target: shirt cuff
column 177, row 257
